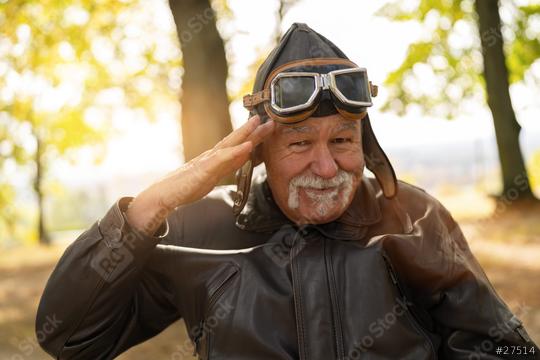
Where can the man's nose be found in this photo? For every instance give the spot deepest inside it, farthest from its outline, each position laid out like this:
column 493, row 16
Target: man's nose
column 323, row 163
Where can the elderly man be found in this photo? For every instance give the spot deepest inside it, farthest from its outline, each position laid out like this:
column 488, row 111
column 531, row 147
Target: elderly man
column 310, row 260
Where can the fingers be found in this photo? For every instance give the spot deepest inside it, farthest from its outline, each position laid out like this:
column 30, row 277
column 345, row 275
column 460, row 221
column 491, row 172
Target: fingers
column 239, row 135
column 237, row 151
column 230, row 159
column 230, row 153
column 261, row 132
column 200, row 175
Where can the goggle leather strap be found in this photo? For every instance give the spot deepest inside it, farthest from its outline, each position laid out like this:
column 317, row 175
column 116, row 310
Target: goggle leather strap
column 373, row 89
column 250, row 101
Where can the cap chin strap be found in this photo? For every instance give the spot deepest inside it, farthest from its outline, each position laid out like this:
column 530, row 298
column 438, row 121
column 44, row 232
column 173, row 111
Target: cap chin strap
column 243, row 184
column 376, row 161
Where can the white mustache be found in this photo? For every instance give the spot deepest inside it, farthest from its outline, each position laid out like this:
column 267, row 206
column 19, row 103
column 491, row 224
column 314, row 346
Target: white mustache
column 317, row 182
column 324, row 202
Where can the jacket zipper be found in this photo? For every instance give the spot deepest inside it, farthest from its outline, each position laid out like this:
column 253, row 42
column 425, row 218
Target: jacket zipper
column 224, row 285
column 409, row 314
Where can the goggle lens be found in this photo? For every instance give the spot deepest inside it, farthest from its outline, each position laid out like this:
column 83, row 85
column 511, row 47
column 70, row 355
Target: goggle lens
column 291, row 91
column 354, row 86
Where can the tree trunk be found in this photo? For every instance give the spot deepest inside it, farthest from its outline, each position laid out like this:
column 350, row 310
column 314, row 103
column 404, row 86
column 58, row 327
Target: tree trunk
column 43, row 236
column 280, row 15
column 205, row 104
column 514, row 174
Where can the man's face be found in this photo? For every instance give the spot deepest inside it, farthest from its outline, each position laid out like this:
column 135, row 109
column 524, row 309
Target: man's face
column 314, row 167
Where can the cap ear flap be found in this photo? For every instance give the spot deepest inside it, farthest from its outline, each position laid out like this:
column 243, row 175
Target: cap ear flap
column 377, row 161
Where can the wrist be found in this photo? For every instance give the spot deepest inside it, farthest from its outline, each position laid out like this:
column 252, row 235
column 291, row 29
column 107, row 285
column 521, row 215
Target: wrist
column 146, row 215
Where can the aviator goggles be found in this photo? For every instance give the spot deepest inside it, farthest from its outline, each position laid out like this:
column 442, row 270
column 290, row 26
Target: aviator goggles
column 292, row 96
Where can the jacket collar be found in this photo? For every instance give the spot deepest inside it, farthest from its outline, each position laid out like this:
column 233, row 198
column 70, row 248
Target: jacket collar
column 261, row 213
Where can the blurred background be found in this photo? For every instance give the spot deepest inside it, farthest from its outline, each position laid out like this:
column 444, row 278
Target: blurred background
column 100, row 98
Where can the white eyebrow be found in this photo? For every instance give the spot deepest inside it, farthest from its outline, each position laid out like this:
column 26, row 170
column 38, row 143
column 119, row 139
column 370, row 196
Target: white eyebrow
column 346, row 126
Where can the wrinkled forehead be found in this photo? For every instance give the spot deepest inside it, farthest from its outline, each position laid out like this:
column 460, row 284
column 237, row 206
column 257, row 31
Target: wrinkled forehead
column 317, row 125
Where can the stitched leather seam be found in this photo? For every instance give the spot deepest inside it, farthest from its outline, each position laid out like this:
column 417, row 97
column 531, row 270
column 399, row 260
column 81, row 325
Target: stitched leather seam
column 298, row 306
column 336, row 313
column 301, row 309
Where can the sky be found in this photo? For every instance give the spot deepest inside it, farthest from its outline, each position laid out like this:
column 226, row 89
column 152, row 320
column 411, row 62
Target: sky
column 370, row 41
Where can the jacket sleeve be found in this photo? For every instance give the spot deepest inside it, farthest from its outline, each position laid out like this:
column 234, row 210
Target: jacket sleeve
column 462, row 306
column 100, row 300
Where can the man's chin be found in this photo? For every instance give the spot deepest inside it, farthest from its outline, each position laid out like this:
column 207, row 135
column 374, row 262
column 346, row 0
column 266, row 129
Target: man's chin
column 314, row 218
column 313, row 214
column 314, row 208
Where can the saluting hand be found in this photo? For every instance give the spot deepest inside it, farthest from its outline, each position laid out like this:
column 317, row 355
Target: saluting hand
column 196, row 178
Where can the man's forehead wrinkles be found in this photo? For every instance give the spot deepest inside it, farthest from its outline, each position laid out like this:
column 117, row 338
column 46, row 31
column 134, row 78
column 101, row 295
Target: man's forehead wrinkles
column 348, row 125
column 297, row 129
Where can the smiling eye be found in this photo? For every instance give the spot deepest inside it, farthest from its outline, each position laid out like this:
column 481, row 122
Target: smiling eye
column 300, row 143
column 341, row 140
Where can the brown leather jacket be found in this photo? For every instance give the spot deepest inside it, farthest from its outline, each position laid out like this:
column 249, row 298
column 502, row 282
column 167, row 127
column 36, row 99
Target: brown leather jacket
column 390, row 279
